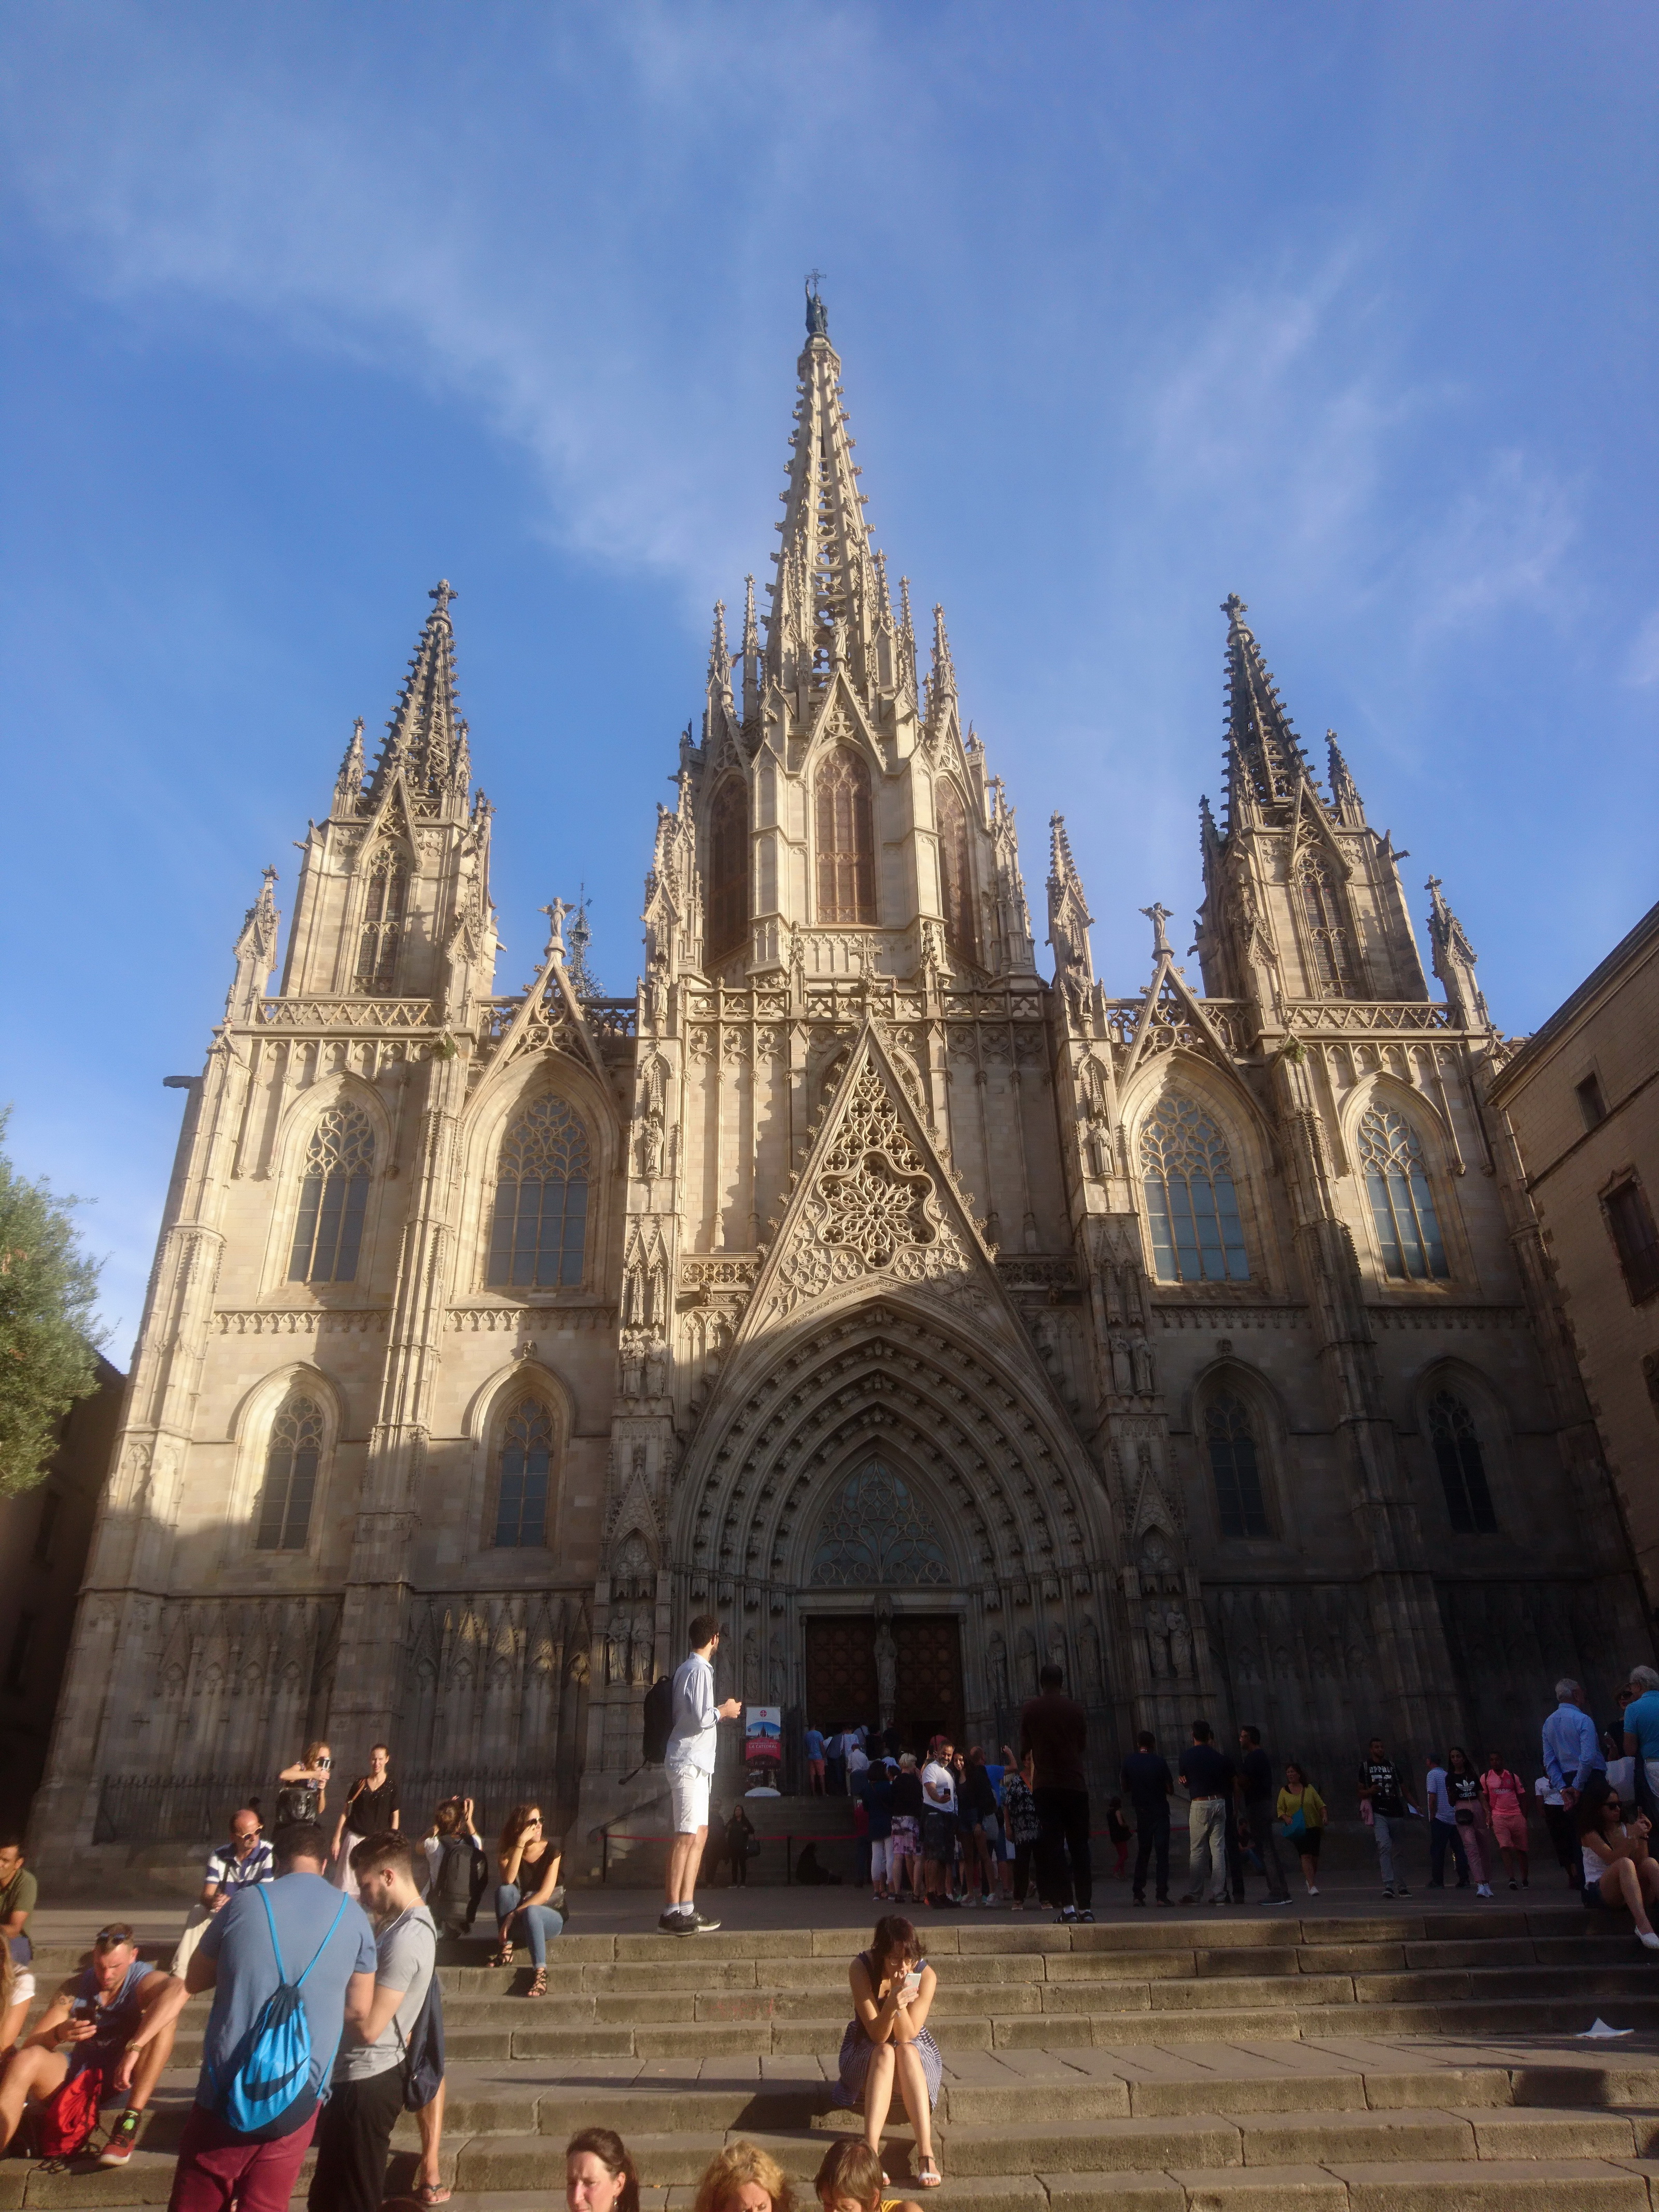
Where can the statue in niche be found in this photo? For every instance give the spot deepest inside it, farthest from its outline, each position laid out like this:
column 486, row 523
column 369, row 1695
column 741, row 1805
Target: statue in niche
column 641, row 1654
column 656, row 989
column 1181, row 1643
column 1141, row 1353
column 1088, row 1659
column 1123, row 1378
column 656, row 1368
column 615, row 1649
column 650, row 1143
column 997, row 1660
column 886, row 1672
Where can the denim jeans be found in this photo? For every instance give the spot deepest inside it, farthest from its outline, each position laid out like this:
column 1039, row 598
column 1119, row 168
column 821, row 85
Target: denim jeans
column 1385, row 1825
column 1259, row 1812
column 1444, row 1838
column 1206, row 1846
column 1152, row 1843
column 538, row 1921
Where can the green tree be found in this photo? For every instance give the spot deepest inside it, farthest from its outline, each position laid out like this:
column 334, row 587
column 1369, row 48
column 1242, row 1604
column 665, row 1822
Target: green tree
column 47, row 1335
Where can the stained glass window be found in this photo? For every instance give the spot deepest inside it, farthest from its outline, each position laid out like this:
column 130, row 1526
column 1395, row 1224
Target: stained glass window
column 846, row 839
column 1192, row 1206
column 1402, row 1204
column 955, row 878
column 874, row 1532
column 383, row 926
column 1235, row 1467
column 521, row 1490
column 1462, row 1470
column 328, row 1229
column 728, row 868
column 283, row 1520
column 536, row 1238
column 1323, row 916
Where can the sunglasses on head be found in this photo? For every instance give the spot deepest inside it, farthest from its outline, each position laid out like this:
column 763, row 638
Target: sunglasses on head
column 107, row 1938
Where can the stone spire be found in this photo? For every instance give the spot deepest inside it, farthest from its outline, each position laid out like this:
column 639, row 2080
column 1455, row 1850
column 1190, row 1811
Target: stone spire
column 422, row 737
column 751, row 656
column 1069, row 918
column 719, row 656
column 1349, row 806
column 1261, row 743
column 1453, row 957
column 350, row 780
column 826, row 581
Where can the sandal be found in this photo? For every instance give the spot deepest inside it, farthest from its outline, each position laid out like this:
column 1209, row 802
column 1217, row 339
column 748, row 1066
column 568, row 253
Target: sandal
column 503, row 1954
column 537, row 1984
column 927, row 2173
column 431, row 2192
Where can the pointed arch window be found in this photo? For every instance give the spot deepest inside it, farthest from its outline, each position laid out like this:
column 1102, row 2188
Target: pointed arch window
column 1192, row 1204
column 328, row 1230
column 875, row 1532
column 1402, row 1203
column 282, row 1521
column 1324, row 918
column 537, row 1235
column 955, row 876
column 522, row 1479
column 1233, row 1468
column 845, row 838
column 1462, row 1469
column 384, row 916
column 728, row 869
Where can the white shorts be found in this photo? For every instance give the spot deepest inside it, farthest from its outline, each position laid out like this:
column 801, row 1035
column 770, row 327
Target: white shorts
column 688, row 1793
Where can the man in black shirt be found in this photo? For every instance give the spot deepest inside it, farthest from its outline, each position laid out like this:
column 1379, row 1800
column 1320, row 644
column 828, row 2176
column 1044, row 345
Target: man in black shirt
column 1208, row 1776
column 1256, row 1798
column 1053, row 1736
column 1382, row 1788
column 1148, row 1782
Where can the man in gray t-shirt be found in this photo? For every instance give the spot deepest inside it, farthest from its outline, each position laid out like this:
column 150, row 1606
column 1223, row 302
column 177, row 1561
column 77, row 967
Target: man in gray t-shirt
column 354, row 2132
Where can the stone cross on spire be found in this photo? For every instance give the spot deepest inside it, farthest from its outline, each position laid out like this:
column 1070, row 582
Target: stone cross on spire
column 443, row 591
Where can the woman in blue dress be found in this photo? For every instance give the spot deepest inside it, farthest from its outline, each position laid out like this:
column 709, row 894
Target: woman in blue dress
column 887, row 2040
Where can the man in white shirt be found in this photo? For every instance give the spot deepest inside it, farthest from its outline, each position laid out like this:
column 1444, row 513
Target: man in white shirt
column 690, row 1767
column 939, row 1820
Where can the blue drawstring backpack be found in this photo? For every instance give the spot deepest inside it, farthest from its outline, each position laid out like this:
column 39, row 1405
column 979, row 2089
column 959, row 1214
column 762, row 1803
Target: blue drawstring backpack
column 274, row 2067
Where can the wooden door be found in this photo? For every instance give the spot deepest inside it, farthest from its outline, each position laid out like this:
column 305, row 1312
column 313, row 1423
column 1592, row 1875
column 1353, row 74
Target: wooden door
column 929, row 1700
column 841, row 1672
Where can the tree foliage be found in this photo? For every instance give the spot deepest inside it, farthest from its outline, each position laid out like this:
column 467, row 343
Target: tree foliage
column 47, row 1335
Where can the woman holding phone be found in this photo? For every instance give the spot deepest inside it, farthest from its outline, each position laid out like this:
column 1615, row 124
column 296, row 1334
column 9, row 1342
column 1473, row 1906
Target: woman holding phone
column 887, row 2040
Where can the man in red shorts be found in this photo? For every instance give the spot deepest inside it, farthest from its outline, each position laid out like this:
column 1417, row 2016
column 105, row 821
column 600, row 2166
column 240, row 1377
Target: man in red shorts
column 107, row 2033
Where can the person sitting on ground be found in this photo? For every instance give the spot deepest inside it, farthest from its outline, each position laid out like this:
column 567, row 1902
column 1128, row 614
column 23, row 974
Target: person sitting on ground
column 599, row 2173
column 1302, row 1810
column 1504, row 1795
column 529, row 1861
column 354, row 2132
column 904, row 1845
column 18, row 1893
column 246, row 1859
column 887, row 2040
column 1618, row 1867
column 452, row 1851
column 739, row 1829
column 850, row 2179
column 742, row 2178
column 108, row 2031
column 809, row 1871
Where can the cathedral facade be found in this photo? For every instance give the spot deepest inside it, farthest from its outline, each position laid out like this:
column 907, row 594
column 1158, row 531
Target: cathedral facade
column 925, row 1315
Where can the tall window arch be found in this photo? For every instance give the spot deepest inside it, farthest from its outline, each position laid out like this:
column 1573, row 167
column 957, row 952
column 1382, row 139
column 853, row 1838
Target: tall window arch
column 1462, row 1469
column 728, row 868
column 1192, row 1206
column 956, row 880
column 328, row 1229
column 383, row 925
column 845, row 838
column 1234, row 1466
column 521, row 1482
column 1324, row 916
column 283, row 1521
column 1402, row 1203
column 540, row 1223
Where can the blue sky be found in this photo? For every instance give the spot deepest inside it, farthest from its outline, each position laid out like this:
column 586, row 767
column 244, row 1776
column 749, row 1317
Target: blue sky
column 1348, row 308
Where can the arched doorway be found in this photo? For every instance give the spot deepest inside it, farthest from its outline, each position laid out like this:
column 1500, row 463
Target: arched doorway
column 891, row 1657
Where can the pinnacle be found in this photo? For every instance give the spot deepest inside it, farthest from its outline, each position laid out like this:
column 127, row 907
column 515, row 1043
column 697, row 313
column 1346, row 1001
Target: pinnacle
column 421, row 737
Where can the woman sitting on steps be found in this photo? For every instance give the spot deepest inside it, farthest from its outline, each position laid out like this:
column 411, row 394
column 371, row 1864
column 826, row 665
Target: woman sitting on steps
column 529, row 1861
column 887, row 2040
column 1618, row 1869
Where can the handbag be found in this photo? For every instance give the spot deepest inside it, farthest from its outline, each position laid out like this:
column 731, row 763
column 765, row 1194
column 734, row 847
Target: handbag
column 1297, row 1824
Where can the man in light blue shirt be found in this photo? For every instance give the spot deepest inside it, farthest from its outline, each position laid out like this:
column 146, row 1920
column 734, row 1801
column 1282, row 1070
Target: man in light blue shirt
column 1641, row 1736
column 1572, row 1752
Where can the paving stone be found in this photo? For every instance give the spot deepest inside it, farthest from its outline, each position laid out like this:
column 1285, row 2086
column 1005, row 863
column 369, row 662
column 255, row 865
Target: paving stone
column 1264, row 2188
column 1114, row 2192
column 1495, row 2185
column 1095, row 2145
column 1541, row 2132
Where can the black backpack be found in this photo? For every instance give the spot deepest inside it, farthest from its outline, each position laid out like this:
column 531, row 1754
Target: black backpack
column 423, row 2053
column 659, row 1719
column 450, row 1896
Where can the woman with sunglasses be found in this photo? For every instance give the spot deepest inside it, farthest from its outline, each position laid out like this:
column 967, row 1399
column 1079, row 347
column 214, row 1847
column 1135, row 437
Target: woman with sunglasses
column 529, row 1861
column 304, row 1792
column 1617, row 1869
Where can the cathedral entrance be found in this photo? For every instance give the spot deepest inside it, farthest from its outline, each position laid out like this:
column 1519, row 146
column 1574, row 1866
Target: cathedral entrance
column 843, row 1680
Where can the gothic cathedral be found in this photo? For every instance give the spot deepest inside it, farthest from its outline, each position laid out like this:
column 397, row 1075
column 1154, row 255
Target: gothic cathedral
column 925, row 1316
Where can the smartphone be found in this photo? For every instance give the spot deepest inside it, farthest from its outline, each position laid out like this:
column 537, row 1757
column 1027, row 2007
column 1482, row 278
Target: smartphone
column 913, row 1980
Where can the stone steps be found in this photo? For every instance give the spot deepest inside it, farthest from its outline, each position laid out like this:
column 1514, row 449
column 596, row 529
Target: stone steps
column 1199, row 2063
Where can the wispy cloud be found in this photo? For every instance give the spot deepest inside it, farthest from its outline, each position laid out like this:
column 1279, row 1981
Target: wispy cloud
column 1503, row 544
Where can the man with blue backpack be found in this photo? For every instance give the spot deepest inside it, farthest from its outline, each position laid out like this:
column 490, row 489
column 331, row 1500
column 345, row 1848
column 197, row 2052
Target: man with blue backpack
column 290, row 1963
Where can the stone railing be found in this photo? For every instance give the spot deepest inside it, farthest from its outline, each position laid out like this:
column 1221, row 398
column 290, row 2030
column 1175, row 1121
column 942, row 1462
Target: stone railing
column 379, row 1015
column 1365, row 1016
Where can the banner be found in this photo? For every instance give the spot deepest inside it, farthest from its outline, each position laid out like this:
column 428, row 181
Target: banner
column 764, row 1735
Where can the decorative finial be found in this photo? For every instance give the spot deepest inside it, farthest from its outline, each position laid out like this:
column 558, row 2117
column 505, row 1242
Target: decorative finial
column 818, row 317
column 556, row 912
column 442, row 593
column 1233, row 606
column 1158, row 914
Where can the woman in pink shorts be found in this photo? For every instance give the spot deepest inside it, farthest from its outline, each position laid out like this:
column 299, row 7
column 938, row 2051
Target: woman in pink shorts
column 1506, row 1814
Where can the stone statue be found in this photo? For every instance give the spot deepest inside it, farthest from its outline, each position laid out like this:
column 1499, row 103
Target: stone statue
column 1181, row 1643
column 997, row 1659
column 1141, row 1352
column 1124, row 1378
column 886, row 1672
column 650, row 1143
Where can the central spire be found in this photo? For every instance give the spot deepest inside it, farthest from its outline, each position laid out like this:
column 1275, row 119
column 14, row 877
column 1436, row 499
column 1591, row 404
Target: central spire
column 825, row 602
column 1259, row 732
column 424, row 736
